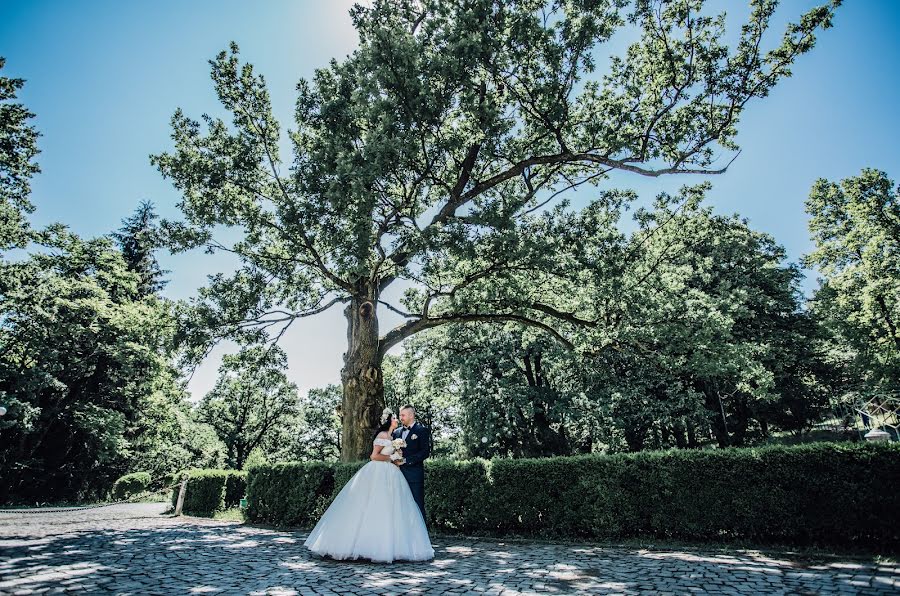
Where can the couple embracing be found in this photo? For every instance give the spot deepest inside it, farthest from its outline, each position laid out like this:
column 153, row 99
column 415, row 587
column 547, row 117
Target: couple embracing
column 380, row 513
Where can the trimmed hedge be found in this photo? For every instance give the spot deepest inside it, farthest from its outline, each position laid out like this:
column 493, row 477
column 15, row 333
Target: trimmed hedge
column 209, row 491
column 131, row 484
column 295, row 493
column 825, row 492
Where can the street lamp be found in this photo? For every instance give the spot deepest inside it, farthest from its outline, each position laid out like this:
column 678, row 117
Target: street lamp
column 876, row 435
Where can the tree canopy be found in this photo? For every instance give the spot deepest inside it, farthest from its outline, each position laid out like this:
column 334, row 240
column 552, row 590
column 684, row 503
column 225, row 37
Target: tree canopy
column 427, row 154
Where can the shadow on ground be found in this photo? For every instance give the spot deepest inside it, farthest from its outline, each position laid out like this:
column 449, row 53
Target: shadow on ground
column 163, row 555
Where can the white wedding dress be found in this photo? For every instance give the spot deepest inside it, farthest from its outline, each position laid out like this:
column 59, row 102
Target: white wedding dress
column 373, row 517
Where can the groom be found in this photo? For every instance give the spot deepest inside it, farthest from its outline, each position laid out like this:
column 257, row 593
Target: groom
column 418, row 447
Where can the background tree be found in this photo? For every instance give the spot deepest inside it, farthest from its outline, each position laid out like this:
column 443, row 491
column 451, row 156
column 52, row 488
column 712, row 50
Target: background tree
column 706, row 341
column 419, row 157
column 703, row 323
column 251, row 399
column 18, row 149
column 855, row 225
column 315, row 433
column 85, row 353
column 83, row 358
column 419, row 377
column 139, row 239
column 506, row 383
column 728, row 324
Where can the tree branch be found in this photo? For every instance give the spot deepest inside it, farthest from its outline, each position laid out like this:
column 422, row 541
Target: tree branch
column 409, row 328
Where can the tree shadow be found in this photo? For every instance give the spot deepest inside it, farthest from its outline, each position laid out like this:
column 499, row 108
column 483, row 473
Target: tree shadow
column 208, row 556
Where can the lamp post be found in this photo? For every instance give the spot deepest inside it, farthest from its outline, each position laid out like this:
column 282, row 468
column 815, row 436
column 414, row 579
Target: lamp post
column 875, row 435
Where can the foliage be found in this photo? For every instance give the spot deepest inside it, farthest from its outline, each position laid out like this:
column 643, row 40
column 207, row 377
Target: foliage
column 209, row 491
column 138, row 239
column 820, row 493
column 130, row 484
column 84, row 357
column 423, row 156
column 314, row 434
column 855, row 225
column 251, row 401
column 18, row 149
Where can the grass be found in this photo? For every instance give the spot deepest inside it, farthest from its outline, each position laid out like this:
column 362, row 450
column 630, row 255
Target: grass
column 233, row 514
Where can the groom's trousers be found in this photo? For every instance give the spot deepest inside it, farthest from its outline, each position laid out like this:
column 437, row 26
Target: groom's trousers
column 415, row 477
column 418, row 492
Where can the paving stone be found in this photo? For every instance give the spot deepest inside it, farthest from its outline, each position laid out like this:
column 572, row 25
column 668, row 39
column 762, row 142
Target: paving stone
column 136, row 549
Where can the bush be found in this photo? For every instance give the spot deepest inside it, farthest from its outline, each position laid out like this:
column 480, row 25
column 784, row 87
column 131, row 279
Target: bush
column 130, row 485
column 809, row 493
column 291, row 493
column 172, row 479
column 235, row 488
column 209, row 491
column 825, row 492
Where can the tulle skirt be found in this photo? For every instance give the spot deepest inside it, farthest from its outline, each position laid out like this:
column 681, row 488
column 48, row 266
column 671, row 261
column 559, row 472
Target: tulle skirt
column 373, row 517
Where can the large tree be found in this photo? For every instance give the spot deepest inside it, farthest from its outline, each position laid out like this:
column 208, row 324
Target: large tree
column 855, row 225
column 420, row 158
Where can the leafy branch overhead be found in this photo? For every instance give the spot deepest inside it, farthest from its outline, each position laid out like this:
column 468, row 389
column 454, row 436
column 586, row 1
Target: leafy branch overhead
column 429, row 154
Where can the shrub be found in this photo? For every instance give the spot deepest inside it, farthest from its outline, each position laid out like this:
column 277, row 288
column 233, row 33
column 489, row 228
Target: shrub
column 235, row 487
column 130, row 484
column 825, row 492
column 209, row 491
column 289, row 493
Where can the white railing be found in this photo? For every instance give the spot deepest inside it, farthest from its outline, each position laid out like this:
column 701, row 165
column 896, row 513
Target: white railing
column 867, row 413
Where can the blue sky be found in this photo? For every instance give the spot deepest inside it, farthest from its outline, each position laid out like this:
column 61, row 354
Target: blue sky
column 104, row 78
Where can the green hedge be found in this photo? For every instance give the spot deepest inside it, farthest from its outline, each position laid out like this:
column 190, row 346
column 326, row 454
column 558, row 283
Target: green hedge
column 294, row 493
column 209, row 491
column 130, row 484
column 826, row 492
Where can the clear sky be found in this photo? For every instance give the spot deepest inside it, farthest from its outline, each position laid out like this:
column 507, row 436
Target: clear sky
column 104, row 78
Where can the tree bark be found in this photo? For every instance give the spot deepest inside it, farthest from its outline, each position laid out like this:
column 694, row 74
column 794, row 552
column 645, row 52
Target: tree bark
column 692, row 441
column 362, row 380
column 889, row 321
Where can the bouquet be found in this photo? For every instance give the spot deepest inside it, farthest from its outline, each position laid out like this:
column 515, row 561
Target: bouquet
column 398, row 445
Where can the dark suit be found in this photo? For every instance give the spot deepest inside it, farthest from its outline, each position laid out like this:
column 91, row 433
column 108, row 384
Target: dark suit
column 418, row 447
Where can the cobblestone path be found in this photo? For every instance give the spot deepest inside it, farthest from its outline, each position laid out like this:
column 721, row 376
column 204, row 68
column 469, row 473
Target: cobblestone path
column 136, row 549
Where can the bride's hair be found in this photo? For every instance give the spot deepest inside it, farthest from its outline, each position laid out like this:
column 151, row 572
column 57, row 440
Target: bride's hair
column 385, row 424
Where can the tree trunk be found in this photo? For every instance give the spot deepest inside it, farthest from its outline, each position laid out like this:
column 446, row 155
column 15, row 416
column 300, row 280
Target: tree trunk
column 742, row 422
column 889, row 321
column 362, row 380
column 635, row 435
column 678, row 429
column 692, row 441
column 718, row 421
column 239, row 457
column 665, row 435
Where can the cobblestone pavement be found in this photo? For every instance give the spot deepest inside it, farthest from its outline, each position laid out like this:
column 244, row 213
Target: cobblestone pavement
column 136, row 549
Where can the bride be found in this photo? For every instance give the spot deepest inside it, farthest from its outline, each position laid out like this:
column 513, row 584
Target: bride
column 374, row 516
